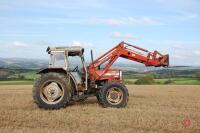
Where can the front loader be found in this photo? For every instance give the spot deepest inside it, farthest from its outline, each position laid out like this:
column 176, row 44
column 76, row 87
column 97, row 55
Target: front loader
column 58, row 85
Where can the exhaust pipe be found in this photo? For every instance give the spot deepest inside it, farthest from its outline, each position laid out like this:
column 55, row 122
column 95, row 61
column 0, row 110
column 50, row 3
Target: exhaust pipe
column 92, row 57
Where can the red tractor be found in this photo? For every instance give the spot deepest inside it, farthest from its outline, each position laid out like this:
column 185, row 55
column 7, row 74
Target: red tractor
column 58, row 84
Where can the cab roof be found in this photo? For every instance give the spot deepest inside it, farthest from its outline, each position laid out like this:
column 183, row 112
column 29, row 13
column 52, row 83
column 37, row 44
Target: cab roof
column 72, row 50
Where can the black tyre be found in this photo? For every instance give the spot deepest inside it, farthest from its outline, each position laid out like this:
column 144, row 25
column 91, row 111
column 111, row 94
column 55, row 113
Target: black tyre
column 113, row 95
column 52, row 91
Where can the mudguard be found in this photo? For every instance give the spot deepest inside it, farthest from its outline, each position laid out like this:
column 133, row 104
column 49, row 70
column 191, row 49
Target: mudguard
column 47, row 70
column 59, row 70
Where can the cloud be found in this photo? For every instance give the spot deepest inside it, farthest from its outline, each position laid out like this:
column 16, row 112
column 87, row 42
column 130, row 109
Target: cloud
column 181, row 54
column 192, row 16
column 197, row 52
column 14, row 45
column 179, row 4
column 177, row 46
column 59, row 5
column 15, row 49
column 82, row 44
column 121, row 21
column 187, row 16
column 4, row 7
column 177, row 56
column 196, row 63
column 179, row 10
column 17, row 44
column 88, row 21
column 118, row 35
column 23, row 35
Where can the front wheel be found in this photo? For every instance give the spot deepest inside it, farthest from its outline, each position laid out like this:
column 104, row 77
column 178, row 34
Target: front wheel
column 113, row 95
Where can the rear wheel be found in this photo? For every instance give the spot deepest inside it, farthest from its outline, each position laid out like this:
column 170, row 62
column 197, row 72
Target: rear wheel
column 52, row 91
column 113, row 95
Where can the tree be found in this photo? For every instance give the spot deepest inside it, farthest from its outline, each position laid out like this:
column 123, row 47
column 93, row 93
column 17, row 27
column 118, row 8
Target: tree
column 198, row 75
column 169, row 81
column 147, row 79
column 4, row 74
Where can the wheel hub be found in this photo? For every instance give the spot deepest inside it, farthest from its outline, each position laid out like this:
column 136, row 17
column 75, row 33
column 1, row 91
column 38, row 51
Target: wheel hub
column 114, row 96
column 52, row 93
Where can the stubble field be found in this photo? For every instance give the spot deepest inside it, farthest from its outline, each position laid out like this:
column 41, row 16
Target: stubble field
column 152, row 108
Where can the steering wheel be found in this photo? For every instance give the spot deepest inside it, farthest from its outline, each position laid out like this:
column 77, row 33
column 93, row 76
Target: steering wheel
column 75, row 69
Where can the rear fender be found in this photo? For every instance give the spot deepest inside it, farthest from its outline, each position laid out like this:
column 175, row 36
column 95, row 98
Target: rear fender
column 59, row 70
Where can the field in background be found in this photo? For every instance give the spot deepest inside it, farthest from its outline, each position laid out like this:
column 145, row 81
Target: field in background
column 176, row 81
column 163, row 76
column 152, row 108
column 17, row 82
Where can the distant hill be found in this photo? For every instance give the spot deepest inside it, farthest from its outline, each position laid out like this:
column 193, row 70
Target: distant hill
column 23, row 63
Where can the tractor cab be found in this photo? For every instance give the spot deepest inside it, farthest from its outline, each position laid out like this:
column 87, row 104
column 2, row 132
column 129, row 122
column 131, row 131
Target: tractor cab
column 59, row 55
column 71, row 60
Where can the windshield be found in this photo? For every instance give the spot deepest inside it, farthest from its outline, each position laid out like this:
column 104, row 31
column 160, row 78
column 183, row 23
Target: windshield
column 57, row 60
column 75, row 61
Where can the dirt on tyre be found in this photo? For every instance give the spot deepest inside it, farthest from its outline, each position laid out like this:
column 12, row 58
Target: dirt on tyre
column 52, row 91
column 113, row 95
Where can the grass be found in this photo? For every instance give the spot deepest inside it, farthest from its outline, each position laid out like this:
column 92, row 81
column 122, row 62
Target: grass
column 189, row 81
column 154, row 108
column 21, row 82
column 177, row 81
column 180, row 81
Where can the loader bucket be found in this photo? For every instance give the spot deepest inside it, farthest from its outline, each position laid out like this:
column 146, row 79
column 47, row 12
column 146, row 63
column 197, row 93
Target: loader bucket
column 164, row 61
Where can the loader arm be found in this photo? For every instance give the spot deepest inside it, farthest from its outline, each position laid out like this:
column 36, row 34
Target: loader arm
column 130, row 52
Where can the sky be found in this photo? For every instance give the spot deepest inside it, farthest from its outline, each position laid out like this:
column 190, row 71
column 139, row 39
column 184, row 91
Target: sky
column 28, row 27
